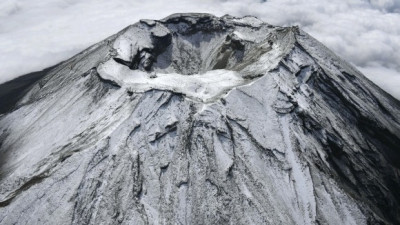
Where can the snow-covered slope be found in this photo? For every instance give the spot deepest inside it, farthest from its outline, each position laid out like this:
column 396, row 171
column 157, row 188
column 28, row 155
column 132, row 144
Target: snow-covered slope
column 196, row 119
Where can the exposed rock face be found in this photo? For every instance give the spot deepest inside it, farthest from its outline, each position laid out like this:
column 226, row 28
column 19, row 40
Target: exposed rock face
column 196, row 119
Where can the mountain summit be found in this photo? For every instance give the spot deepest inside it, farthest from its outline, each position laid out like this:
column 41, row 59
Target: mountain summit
column 197, row 119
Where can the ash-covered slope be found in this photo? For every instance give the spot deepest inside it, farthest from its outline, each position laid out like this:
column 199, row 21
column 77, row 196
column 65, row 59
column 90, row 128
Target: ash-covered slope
column 196, row 119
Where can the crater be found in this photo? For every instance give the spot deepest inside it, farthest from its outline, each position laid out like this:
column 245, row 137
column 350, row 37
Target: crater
column 200, row 55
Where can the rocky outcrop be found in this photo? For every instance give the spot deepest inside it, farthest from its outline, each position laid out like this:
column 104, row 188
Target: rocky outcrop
column 196, row 119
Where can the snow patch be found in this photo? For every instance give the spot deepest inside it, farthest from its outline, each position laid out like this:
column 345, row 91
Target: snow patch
column 249, row 21
column 204, row 87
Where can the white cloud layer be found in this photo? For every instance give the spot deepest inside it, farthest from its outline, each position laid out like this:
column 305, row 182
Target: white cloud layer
column 36, row 34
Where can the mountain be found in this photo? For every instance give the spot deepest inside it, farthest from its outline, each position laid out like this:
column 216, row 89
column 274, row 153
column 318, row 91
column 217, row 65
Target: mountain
column 197, row 119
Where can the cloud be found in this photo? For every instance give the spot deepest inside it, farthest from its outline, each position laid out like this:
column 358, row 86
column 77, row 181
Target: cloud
column 387, row 79
column 386, row 5
column 37, row 34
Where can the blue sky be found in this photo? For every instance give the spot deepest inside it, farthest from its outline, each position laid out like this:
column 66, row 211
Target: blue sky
column 35, row 34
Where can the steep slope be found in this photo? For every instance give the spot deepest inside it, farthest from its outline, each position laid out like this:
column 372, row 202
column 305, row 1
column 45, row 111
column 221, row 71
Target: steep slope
column 196, row 119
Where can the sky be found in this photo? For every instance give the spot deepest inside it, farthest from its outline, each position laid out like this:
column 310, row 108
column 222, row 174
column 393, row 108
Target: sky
column 35, row 34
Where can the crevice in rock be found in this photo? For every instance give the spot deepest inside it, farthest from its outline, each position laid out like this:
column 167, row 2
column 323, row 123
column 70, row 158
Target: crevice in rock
column 182, row 183
column 258, row 145
column 163, row 170
column 28, row 184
